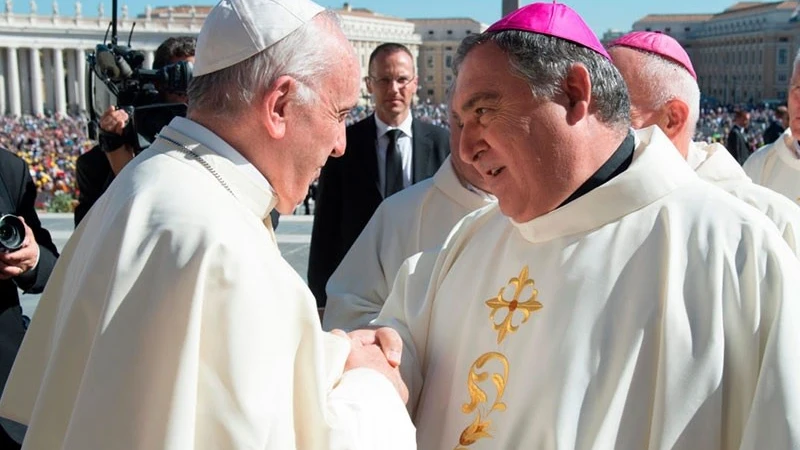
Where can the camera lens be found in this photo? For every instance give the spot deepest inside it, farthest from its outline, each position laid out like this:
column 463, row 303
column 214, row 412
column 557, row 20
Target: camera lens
column 12, row 233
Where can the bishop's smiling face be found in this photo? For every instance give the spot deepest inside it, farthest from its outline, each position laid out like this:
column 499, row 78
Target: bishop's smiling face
column 510, row 137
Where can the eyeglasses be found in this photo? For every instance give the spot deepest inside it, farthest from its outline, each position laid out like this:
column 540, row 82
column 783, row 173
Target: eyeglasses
column 384, row 83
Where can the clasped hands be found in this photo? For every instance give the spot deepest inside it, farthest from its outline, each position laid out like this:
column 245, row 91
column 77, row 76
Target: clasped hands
column 379, row 349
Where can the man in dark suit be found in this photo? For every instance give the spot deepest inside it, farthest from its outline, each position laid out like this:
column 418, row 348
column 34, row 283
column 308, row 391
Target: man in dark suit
column 737, row 144
column 27, row 268
column 777, row 127
column 386, row 152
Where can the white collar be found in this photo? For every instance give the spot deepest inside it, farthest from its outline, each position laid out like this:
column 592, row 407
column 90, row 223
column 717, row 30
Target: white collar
column 657, row 169
column 462, row 193
column 383, row 127
column 795, row 148
column 213, row 142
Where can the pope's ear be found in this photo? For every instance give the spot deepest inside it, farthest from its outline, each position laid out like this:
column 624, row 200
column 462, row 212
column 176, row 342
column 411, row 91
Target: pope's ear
column 275, row 105
column 578, row 89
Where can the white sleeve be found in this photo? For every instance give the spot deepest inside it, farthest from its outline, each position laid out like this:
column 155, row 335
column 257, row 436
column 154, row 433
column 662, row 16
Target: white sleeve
column 366, row 413
column 408, row 310
column 358, row 288
column 773, row 419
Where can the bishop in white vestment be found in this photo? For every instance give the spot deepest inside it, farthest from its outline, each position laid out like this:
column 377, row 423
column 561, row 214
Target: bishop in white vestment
column 777, row 165
column 612, row 299
column 654, row 312
column 415, row 219
column 663, row 87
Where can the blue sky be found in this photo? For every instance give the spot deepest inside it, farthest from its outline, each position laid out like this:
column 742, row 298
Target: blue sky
column 600, row 15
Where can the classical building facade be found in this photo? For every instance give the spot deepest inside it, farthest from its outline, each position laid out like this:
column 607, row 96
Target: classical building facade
column 43, row 56
column 743, row 54
column 440, row 40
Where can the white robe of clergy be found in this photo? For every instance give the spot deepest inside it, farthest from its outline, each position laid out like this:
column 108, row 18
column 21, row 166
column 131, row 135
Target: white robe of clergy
column 714, row 163
column 777, row 166
column 172, row 322
column 654, row 312
column 415, row 219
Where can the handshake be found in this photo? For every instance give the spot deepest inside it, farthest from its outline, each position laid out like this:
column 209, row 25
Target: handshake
column 380, row 350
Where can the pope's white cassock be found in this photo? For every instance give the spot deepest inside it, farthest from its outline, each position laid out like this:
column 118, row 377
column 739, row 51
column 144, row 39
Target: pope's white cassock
column 654, row 312
column 714, row 163
column 172, row 322
column 415, row 219
column 777, row 166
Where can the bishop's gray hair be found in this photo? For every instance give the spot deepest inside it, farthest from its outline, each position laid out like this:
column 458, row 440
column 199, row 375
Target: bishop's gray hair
column 227, row 92
column 544, row 61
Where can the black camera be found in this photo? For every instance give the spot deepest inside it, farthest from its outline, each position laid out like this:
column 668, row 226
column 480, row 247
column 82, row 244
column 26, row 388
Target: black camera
column 12, row 233
column 116, row 77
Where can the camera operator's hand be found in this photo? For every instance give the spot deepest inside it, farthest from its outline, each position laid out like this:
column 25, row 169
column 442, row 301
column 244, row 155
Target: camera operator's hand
column 114, row 121
column 16, row 263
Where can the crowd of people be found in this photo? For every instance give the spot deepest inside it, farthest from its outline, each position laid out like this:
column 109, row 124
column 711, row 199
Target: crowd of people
column 51, row 144
column 715, row 124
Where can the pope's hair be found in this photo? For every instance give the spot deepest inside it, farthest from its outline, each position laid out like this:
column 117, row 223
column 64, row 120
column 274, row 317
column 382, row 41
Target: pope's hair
column 543, row 61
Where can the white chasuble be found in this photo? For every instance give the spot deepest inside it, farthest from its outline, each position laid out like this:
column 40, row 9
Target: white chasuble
column 415, row 219
column 654, row 312
column 713, row 163
column 777, row 166
column 171, row 321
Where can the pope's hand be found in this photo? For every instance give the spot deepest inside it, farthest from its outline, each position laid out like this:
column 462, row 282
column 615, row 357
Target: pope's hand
column 379, row 350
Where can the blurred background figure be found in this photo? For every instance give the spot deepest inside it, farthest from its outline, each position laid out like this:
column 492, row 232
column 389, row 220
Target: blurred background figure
column 777, row 125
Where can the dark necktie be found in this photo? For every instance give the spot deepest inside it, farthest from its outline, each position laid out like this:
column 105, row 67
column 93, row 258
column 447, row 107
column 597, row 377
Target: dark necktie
column 394, row 165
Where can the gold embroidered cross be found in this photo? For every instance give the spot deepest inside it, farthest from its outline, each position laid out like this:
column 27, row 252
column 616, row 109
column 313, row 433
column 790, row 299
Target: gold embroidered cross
column 527, row 307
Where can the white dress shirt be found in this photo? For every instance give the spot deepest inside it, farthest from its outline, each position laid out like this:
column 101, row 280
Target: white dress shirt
column 404, row 144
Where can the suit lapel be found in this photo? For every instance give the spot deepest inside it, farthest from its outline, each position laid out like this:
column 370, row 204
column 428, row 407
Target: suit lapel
column 369, row 145
column 422, row 152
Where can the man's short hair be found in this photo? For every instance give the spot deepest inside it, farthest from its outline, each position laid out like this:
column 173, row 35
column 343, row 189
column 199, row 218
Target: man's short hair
column 781, row 112
column 544, row 61
column 388, row 49
column 174, row 47
column 739, row 113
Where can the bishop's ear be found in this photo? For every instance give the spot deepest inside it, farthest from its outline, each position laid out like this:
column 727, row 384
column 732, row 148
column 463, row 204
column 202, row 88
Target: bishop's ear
column 676, row 118
column 276, row 105
column 578, row 89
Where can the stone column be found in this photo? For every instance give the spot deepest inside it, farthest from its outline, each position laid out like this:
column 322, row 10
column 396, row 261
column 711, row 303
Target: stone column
column 14, row 101
column 25, row 90
column 46, row 56
column 149, row 56
column 80, row 62
column 61, row 95
column 72, row 79
column 37, row 99
column 3, row 105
